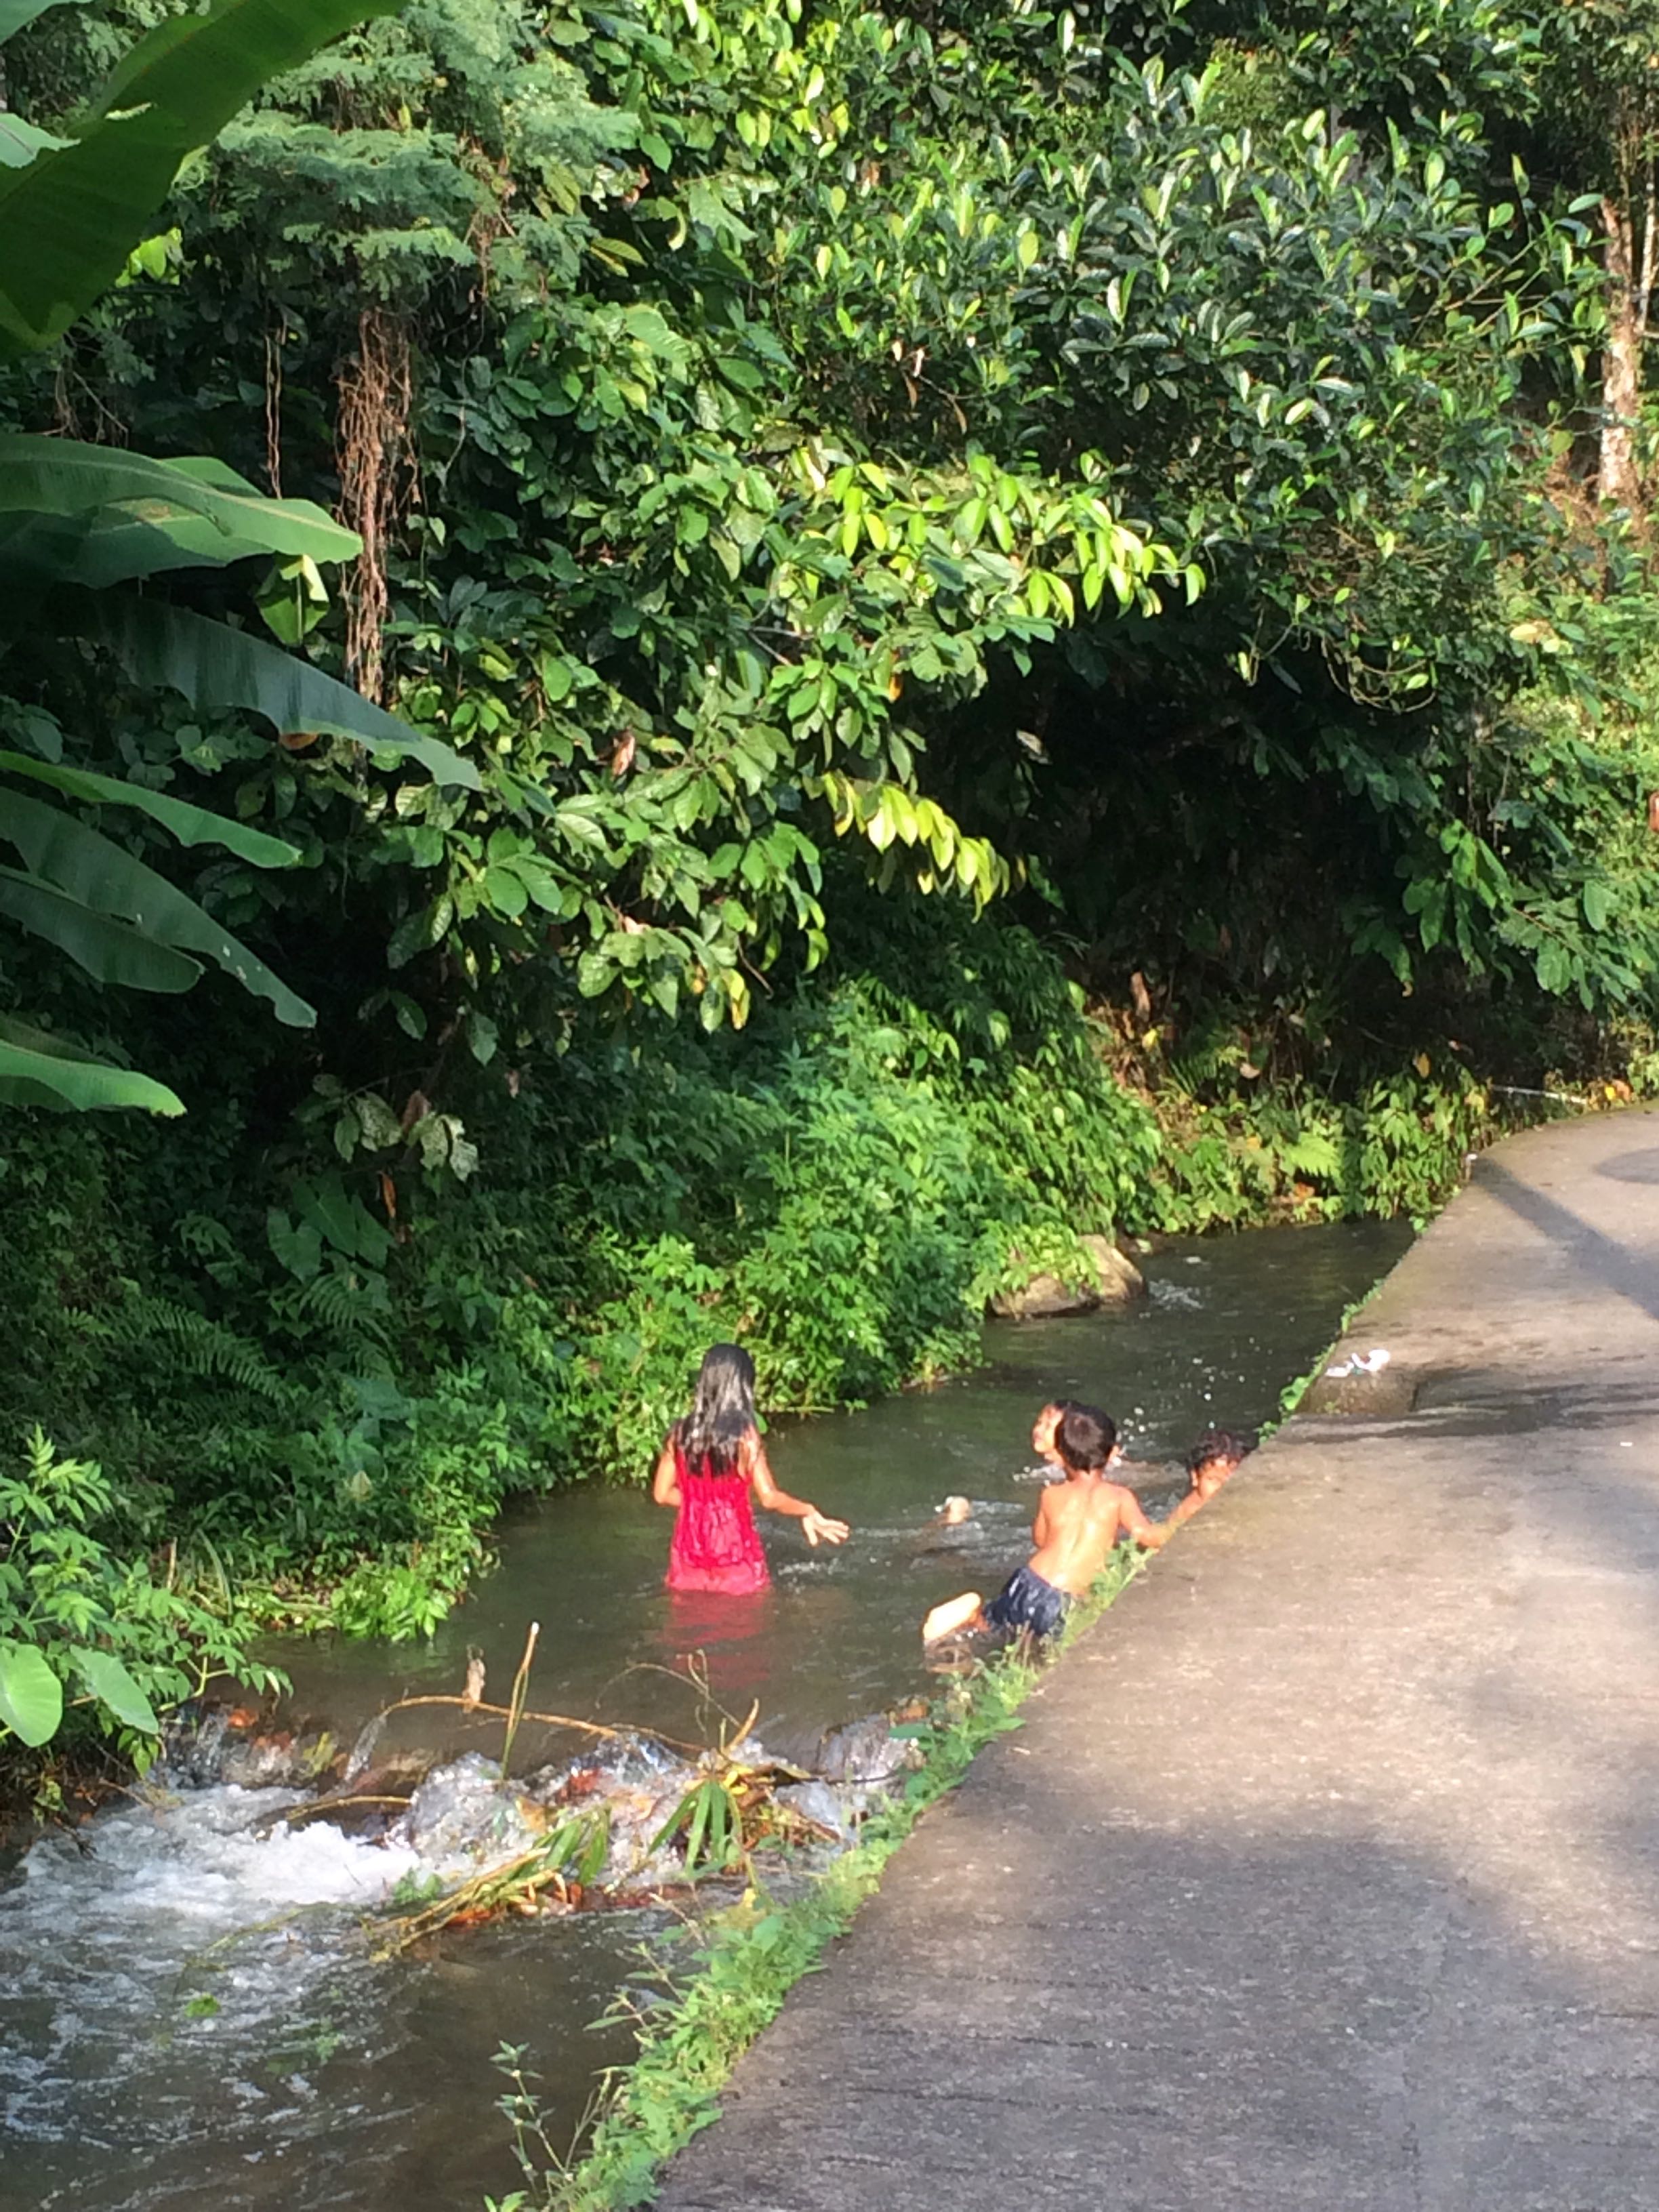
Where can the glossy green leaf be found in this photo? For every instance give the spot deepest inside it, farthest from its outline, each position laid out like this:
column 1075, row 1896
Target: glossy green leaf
column 297, row 1246
column 217, row 667
column 37, row 1069
column 114, row 546
column 113, row 1685
column 109, row 951
column 21, row 142
column 191, row 825
column 101, row 874
column 104, row 489
column 31, row 1695
column 15, row 14
column 70, row 220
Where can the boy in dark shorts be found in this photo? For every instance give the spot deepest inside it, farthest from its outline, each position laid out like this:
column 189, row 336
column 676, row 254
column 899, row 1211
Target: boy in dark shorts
column 1077, row 1522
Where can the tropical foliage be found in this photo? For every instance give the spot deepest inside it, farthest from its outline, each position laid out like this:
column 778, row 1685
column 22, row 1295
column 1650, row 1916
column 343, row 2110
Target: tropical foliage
column 78, row 520
column 805, row 650
column 86, row 1635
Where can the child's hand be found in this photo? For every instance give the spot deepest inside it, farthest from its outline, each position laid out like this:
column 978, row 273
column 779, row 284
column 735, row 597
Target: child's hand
column 817, row 1527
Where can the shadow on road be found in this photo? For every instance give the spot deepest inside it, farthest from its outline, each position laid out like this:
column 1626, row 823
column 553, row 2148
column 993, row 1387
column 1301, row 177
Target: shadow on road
column 1633, row 1275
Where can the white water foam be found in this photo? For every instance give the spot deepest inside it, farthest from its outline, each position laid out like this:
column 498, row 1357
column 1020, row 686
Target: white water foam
column 220, row 1857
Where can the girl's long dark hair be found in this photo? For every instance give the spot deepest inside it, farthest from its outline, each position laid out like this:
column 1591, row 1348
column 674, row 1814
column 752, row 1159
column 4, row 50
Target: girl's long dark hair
column 722, row 1413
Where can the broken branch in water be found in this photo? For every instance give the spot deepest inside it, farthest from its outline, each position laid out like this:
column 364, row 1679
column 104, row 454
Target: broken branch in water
column 515, row 1701
column 566, row 1861
column 292, row 1815
column 542, row 1720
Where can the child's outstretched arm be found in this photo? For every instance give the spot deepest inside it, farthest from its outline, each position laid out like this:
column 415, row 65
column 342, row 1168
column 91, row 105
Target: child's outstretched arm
column 1157, row 1533
column 1132, row 1521
column 815, row 1527
column 665, row 1485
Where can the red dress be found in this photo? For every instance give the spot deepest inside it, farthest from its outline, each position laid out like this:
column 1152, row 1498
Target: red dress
column 715, row 1545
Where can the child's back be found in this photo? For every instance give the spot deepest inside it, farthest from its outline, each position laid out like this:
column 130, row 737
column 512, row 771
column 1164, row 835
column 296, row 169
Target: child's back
column 1076, row 1524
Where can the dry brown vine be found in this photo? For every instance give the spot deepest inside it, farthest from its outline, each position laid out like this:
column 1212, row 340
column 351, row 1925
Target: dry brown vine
column 377, row 470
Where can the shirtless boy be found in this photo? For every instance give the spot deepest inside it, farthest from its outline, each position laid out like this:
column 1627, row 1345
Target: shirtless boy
column 1077, row 1522
column 1215, row 1457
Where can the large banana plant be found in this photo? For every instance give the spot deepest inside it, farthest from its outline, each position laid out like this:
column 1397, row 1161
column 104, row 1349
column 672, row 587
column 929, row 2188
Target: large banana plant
column 84, row 529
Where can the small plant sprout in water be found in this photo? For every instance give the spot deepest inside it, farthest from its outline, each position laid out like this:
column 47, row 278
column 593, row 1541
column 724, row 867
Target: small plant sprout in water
column 709, row 1820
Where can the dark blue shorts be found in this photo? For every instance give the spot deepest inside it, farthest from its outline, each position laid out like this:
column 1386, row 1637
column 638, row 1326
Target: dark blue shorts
column 1025, row 1601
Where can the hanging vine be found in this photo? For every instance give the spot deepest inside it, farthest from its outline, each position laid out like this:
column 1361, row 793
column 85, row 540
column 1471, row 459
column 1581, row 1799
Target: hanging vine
column 276, row 339
column 377, row 474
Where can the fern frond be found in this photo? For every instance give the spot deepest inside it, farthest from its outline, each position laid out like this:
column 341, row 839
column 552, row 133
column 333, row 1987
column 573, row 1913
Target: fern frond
column 332, row 1300
column 336, row 1305
column 186, row 1342
column 1313, row 1153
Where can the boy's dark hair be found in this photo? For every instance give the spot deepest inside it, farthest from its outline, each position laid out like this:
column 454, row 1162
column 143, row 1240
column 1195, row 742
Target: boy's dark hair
column 1218, row 1443
column 1085, row 1438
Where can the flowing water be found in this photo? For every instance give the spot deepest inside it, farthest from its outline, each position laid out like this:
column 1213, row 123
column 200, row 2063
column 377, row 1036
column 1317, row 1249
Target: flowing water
column 189, row 2016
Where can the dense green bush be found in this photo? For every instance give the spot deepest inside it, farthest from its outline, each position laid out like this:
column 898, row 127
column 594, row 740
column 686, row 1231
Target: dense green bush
column 334, row 1404
column 93, row 1644
column 825, row 469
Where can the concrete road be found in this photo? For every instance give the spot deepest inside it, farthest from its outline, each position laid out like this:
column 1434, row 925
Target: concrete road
column 1325, row 1874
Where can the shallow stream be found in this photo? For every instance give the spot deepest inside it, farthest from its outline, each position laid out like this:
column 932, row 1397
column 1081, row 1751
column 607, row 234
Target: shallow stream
column 189, row 2018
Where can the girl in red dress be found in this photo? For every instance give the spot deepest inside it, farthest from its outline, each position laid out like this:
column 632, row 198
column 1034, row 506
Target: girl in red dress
column 710, row 1462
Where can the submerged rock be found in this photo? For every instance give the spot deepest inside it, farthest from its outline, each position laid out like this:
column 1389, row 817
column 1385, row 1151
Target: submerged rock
column 463, row 1813
column 1116, row 1280
column 823, row 1806
column 863, row 1751
column 209, row 1744
column 1042, row 1297
column 1120, row 1280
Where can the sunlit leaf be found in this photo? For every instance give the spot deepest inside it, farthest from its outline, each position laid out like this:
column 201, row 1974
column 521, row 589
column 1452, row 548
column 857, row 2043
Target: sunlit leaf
column 113, row 1685
column 70, row 220
column 191, row 825
column 31, row 1695
column 37, row 1069
column 104, row 487
column 14, row 13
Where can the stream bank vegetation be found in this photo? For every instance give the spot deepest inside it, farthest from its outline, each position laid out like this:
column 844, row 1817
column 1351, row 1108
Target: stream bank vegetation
column 689, row 671
column 698, row 2001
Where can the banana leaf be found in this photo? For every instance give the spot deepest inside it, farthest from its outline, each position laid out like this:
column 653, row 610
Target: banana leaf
column 70, row 220
column 102, row 875
column 108, row 545
column 14, row 13
column 21, row 142
column 191, row 825
column 63, row 479
column 217, row 667
column 39, row 1070
column 111, row 951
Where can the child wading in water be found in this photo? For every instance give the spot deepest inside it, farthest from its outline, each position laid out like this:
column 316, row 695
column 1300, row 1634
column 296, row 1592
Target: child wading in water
column 1212, row 1459
column 1077, row 1522
column 710, row 1462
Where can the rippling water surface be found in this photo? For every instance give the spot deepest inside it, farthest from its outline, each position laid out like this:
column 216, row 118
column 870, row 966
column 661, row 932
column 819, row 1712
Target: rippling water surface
column 189, row 2015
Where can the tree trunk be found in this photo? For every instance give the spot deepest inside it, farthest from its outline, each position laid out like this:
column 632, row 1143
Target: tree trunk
column 1621, row 365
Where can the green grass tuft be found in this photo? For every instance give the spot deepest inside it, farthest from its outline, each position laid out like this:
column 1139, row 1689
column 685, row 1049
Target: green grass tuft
column 745, row 1961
